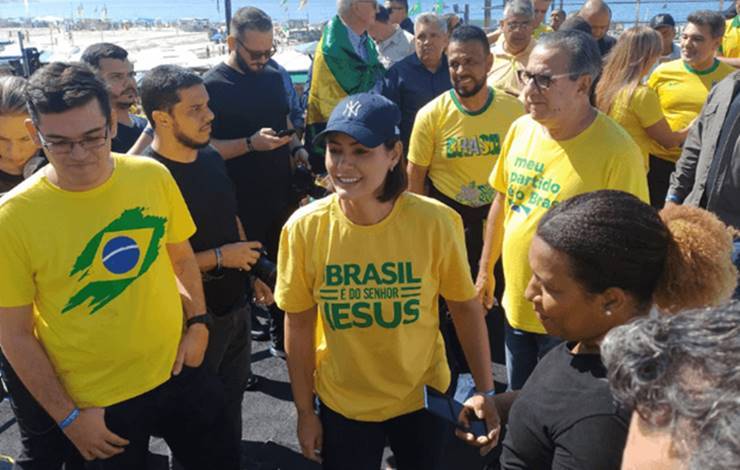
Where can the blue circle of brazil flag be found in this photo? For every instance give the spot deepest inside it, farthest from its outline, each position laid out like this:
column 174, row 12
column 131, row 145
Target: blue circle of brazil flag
column 120, row 255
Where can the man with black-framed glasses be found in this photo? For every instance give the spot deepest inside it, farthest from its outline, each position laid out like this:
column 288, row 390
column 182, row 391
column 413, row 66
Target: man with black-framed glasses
column 250, row 107
column 562, row 148
column 400, row 14
column 511, row 55
column 104, row 322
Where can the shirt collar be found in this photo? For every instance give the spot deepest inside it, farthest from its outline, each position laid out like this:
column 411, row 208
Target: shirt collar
column 417, row 63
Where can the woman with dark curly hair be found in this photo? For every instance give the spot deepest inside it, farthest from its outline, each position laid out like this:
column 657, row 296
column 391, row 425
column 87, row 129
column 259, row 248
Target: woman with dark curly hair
column 680, row 375
column 598, row 261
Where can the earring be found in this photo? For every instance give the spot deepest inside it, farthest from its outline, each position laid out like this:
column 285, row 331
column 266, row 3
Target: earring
column 607, row 312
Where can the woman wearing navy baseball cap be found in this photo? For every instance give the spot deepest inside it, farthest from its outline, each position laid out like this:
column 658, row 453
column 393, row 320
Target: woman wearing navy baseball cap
column 359, row 276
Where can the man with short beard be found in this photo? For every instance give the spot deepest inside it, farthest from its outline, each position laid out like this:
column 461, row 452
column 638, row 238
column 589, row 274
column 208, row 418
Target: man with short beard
column 112, row 65
column 250, row 106
column 456, row 140
column 176, row 103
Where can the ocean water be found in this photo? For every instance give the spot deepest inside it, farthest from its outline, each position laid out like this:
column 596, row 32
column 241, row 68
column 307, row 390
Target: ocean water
column 314, row 10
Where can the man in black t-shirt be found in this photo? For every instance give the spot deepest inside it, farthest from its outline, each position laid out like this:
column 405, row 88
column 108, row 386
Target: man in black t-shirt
column 250, row 107
column 176, row 103
column 112, row 65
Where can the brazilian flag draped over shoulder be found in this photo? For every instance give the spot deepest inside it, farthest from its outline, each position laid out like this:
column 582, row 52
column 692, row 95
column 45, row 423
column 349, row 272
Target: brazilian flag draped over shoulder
column 337, row 72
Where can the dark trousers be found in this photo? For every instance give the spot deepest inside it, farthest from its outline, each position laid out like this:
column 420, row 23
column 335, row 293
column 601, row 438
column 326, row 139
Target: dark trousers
column 187, row 411
column 416, row 439
column 473, row 223
column 45, row 447
column 659, row 178
column 229, row 357
column 263, row 222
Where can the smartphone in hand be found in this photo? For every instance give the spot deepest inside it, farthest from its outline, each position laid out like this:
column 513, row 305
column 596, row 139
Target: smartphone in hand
column 449, row 409
column 285, row 132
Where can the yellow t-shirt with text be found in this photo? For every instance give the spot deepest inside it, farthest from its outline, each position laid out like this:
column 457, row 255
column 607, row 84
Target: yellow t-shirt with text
column 376, row 290
column 536, row 172
column 95, row 266
column 682, row 91
column 458, row 147
column 730, row 46
column 637, row 113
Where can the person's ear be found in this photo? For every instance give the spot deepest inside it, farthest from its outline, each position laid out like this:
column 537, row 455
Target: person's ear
column 231, row 43
column 489, row 61
column 615, row 302
column 33, row 133
column 584, row 84
column 161, row 119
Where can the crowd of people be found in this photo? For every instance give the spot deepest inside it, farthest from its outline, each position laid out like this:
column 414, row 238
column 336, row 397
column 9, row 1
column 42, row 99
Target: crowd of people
column 435, row 182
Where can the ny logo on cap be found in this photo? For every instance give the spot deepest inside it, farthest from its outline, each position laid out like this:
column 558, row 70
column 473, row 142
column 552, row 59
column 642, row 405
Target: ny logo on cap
column 351, row 109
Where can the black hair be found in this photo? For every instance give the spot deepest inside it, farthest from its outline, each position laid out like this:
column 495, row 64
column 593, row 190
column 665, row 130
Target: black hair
column 396, row 181
column 102, row 50
column 612, row 239
column 250, row 19
column 713, row 19
column 404, row 3
column 383, row 15
column 59, row 87
column 470, row 33
column 160, row 88
column 576, row 23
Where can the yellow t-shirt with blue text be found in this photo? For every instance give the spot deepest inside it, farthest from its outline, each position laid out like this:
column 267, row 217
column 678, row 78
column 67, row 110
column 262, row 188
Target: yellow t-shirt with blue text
column 637, row 113
column 730, row 46
column 376, row 291
column 95, row 267
column 458, row 147
column 536, row 172
column 682, row 91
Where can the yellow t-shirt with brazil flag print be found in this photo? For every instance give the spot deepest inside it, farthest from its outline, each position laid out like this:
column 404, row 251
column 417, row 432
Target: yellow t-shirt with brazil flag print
column 459, row 147
column 730, row 46
column 376, row 290
column 536, row 172
column 637, row 113
column 682, row 91
column 95, row 266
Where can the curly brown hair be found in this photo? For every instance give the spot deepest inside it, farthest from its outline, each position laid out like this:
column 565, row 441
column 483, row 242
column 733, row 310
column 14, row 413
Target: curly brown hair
column 698, row 269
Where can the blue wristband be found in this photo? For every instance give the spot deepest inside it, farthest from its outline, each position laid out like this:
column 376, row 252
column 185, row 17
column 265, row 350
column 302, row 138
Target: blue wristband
column 70, row 418
column 673, row 198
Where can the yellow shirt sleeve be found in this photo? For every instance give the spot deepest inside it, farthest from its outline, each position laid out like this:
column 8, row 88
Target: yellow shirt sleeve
column 421, row 145
column 293, row 290
column 180, row 226
column 455, row 281
column 15, row 265
column 646, row 106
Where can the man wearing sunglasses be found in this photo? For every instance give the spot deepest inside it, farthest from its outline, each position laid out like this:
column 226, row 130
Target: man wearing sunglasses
column 250, row 106
column 562, row 148
column 104, row 321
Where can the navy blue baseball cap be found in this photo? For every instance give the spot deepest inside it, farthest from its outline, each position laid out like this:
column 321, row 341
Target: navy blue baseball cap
column 368, row 118
column 661, row 20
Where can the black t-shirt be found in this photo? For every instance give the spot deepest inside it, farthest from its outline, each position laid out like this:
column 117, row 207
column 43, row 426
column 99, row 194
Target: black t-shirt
column 127, row 136
column 244, row 103
column 9, row 181
column 565, row 417
column 605, row 44
column 209, row 195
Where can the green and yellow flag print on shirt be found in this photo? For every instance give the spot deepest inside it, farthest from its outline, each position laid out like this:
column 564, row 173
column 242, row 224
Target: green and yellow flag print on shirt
column 375, row 290
column 337, row 72
column 94, row 266
column 458, row 147
column 115, row 257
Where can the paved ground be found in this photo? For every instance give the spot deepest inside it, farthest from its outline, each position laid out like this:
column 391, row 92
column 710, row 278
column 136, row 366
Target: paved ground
column 269, row 441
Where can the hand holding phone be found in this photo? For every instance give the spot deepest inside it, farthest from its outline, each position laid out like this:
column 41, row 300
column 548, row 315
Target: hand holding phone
column 285, row 132
column 449, row 409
